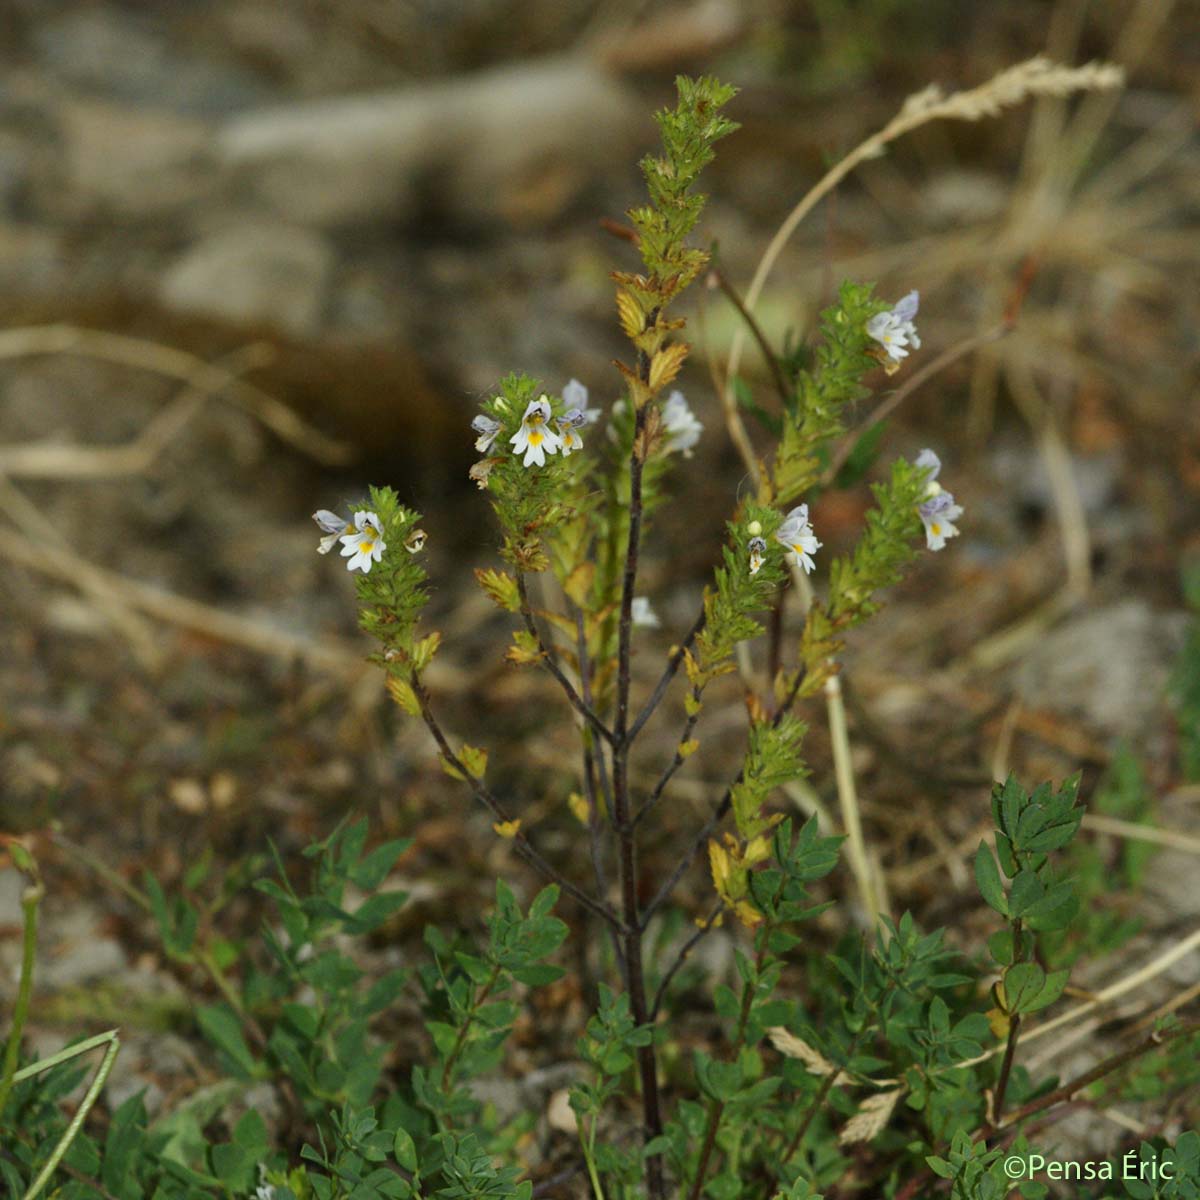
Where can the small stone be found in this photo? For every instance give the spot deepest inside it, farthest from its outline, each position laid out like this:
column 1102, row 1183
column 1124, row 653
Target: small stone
column 74, row 952
column 137, row 164
column 1108, row 666
column 252, row 273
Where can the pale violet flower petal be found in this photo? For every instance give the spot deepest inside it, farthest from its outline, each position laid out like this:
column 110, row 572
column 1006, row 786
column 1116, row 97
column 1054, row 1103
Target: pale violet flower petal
column 332, row 526
column 905, row 309
column 329, row 522
column 930, row 463
column 575, row 394
column 487, row 430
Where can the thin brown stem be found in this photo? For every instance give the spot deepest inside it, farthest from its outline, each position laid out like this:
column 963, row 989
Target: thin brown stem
column 577, row 702
column 1113, row 1063
column 593, row 765
column 590, row 771
column 705, row 927
column 717, row 1108
column 815, row 1107
column 486, row 797
column 625, row 831
column 1014, row 1032
column 701, row 840
column 669, row 672
column 676, row 762
column 465, row 1028
column 718, row 279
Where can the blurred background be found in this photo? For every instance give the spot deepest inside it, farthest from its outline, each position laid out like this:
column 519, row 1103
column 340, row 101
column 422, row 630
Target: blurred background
column 255, row 254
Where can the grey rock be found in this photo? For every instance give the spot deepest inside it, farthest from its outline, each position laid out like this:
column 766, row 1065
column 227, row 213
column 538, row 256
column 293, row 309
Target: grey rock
column 124, row 55
column 1023, row 472
column 254, row 271
column 515, row 143
column 136, row 163
column 512, row 1097
column 1109, row 666
column 502, row 1094
column 75, row 953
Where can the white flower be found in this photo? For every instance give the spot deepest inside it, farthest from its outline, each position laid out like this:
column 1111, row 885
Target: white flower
column 366, row 545
column 758, row 547
column 642, row 614
column 487, row 430
column 938, row 515
column 575, row 395
column 566, row 425
column 682, row 429
column 797, row 535
column 937, row 511
column 332, row 526
column 534, row 439
column 894, row 330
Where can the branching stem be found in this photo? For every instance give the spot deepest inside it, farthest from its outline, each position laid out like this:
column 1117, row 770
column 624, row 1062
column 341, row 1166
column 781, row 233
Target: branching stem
column 701, row 840
column 668, row 674
column 577, row 702
column 622, row 824
column 486, row 797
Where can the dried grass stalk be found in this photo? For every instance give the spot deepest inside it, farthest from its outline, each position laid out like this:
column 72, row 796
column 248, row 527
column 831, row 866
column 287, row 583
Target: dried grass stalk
column 1037, row 76
column 791, row 1046
column 873, row 1114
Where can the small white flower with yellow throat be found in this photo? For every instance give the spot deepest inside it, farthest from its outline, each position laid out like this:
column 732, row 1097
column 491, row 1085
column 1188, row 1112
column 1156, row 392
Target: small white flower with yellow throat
column 575, row 395
column 797, row 535
column 937, row 511
column 567, row 425
column 535, row 439
column 894, row 330
column 365, row 545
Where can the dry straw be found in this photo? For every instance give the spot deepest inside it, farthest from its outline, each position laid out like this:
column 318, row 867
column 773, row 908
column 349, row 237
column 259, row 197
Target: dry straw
column 1035, row 77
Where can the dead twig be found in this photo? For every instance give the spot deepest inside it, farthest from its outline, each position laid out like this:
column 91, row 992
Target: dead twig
column 41, row 460
column 342, row 658
column 204, row 377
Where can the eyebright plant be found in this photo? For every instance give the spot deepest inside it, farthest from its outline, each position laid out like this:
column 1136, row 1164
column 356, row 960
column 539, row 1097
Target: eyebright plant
column 882, row 1062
